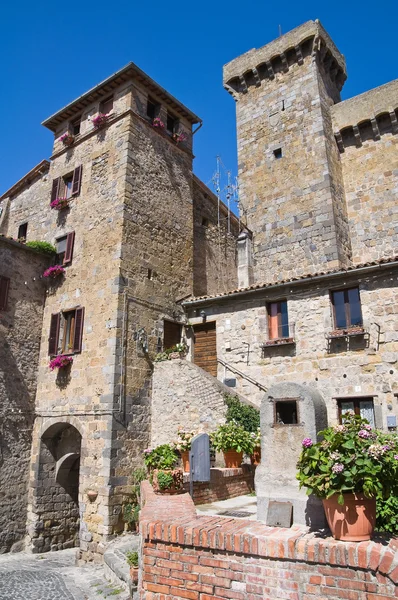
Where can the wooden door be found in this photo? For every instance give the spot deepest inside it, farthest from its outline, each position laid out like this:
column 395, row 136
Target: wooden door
column 205, row 350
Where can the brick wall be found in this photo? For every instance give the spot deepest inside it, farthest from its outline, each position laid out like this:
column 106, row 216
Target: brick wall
column 214, row 558
column 223, row 484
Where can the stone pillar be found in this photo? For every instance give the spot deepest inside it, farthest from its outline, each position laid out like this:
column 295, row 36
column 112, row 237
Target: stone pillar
column 245, row 260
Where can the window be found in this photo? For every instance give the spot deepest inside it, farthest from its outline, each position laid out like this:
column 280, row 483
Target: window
column 4, row 287
column 22, row 232
column 66, row 332
column 171, row 123
column 106, row 106
column 286, row 412
column 347, row 308
column 152, row 108
column 171, row 334
column 68, row 185
column 75, row 126
column 278, row 153
column 64, row 246
column 278, row 324
column 361, row 406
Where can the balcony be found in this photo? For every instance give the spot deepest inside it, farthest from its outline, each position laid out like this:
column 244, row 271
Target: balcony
column 353, row 337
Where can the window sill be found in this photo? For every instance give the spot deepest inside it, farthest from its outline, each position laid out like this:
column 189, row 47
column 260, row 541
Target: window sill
column 343, row 333
column 278, row 342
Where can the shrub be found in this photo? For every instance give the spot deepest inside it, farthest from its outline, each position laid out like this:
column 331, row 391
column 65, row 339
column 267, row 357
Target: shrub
column 387, row 514
column 232, row 436
column 247, row 416
column 165, row 480
column 161, row 457
column 132, row 558
column 45, row 247
column 131, row 513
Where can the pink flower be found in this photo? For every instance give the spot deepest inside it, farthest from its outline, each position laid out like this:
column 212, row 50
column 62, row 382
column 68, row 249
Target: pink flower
column 337, row 468
column 395, row 456
column 54, row 271
column 368, row 427
column 364, row 434
column 307, row 442
column 60, row 361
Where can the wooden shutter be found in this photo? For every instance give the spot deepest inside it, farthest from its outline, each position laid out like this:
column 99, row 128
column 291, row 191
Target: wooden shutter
column 56, row 188
column 77, row 338
column 77, row 180
column 4, row 287
column 54, row 334
column 70, row 239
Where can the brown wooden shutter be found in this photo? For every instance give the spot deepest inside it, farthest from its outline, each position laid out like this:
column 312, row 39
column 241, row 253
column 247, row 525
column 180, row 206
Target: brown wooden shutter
column 55, row 189
column 4, row 287
column 77, row 338
column 70, row 239
column 54, row 334
column 77, row 180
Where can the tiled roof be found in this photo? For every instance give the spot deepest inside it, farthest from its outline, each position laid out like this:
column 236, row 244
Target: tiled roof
column 302, row 278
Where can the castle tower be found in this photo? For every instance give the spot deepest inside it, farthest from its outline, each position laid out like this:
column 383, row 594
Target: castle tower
column 291, row 189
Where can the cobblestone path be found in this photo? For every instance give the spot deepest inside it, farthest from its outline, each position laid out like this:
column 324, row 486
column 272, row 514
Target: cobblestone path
column 53, row 576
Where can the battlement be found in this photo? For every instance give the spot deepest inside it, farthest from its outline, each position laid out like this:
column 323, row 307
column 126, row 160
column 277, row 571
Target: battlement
column 278, row 55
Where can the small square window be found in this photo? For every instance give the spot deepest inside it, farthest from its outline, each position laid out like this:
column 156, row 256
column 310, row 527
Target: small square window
column 106, row 106
column 347, row 311
column 286, row 412
column 152, row 108
column 22, row 232
column 75, row 126
column 361, row 406
column 278, row 153
column 171, row 124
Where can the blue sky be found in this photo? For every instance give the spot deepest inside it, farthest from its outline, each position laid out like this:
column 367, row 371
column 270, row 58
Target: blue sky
column 54, row 51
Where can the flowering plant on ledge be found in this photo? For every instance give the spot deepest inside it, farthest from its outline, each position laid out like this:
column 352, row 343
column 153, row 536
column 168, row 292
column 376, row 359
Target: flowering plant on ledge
column 59, row 203
column 60, row 361
column 67, row 139
column 178, row 137
column 157, row 122
column 100, row 120
column 54, row 271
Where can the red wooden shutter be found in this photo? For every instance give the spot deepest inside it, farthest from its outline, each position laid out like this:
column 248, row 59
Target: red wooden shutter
column 77, row 338
column 55, row 188
column 76, row 181
column 54, row 334
column 4, row 287
column 70, row 238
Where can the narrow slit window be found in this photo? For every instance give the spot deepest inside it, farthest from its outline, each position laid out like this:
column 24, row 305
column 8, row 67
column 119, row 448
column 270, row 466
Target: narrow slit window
column 278, row 153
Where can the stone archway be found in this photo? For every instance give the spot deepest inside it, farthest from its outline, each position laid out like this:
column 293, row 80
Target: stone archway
column 56, row 490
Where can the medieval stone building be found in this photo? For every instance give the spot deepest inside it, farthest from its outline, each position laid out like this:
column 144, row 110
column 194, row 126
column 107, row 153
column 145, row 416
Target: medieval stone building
column 302, row 289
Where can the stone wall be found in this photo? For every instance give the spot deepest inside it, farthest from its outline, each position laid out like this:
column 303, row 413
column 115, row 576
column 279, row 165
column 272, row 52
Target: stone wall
column 213, row 558
column 214, row 244
column 20, row 329
column 353, row 367
column 223, row 484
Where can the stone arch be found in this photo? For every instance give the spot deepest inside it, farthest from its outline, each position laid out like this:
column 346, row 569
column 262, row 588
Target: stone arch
column 56, row 487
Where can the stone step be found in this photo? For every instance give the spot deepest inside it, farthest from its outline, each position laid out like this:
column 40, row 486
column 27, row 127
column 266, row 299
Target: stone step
column 116, row 568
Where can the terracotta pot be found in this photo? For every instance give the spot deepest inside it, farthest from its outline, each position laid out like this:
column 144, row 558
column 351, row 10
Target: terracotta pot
column 134, row 574
column 177, row 485
column 185, row 461
column 256, row 456
column 233, row 459
column 353, row 521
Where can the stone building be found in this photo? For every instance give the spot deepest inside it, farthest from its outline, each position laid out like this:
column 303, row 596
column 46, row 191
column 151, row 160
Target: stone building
column 302, row 288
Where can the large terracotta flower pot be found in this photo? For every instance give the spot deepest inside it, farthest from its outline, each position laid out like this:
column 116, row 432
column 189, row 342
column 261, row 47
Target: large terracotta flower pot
column 134, row 574
column 185, row 461
column 177, row 485
column 233, row 459
column 256, row 456
column 353, row 521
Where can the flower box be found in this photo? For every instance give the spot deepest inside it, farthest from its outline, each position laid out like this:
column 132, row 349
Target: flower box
column 54, row 271
column 100, row 120
column 67, row 139
column 178, row 137
column 60, row 203
column 61, row 361
column 158, row 123
column 279, row 342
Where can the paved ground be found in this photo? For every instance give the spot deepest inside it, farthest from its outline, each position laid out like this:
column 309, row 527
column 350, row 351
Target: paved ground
column 242, row 506
column 53, row 576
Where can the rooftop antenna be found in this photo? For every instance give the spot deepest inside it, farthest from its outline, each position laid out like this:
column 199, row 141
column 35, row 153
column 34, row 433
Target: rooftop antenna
column 280, row 30
column 216, row 184
column 229, row 194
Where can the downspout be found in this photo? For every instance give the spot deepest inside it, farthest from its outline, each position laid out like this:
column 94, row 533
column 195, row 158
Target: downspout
column 197, row 129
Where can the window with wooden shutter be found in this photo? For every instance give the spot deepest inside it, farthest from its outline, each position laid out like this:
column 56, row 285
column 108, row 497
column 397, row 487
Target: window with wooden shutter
column 54, row 334
column 4, row 287
column 70, row 239
column 77, row 180
column 278, row 323
column 77, row 341
column 55, row 190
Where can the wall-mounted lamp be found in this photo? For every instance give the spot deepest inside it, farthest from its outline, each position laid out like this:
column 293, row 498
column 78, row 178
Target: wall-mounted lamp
column 203, row 315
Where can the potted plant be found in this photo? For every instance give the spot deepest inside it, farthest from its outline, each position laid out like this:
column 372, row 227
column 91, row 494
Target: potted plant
column 161, row 462
column 347, row 469
column 256, row 455
column 67, row 138
column 178, row 137
column 100, row 120
column 177, row 351
column 60, row 203
column 183, row 445
column 54, row 271
column 131, row 514
column 132, row 560
column 234, row 441
column 157, row 122
column 61, row 361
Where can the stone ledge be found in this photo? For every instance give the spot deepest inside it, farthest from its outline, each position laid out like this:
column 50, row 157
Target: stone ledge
column 172, row 520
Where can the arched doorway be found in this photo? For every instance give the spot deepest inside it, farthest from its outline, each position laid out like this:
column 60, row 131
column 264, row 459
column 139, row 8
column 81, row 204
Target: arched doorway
column 56, row 496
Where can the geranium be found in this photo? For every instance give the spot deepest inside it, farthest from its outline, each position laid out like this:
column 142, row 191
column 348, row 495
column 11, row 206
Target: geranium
column 100, row 120
column 54, row 271
column 59, row 203
column 179, row 137
column 60, row 361
column 67, row 138
column 353, row 460
column 157, row 122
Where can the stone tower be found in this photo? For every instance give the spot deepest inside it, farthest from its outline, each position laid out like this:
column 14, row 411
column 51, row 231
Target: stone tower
column 292, row 195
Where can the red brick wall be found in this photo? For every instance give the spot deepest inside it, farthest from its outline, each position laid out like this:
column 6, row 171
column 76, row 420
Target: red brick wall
column 223, row 484
column 214, row 558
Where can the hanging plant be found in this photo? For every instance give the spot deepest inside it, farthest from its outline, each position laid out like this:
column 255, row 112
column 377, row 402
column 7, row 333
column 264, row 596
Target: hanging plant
column 100, row 120
column 67, row 138
column 157, row 122
column 60, row 203
column 61, row 361
column 54, row 271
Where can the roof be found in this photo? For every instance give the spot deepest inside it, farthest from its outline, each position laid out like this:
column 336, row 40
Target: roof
column 39, row 169
column 108, row 85
column 258, row 287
